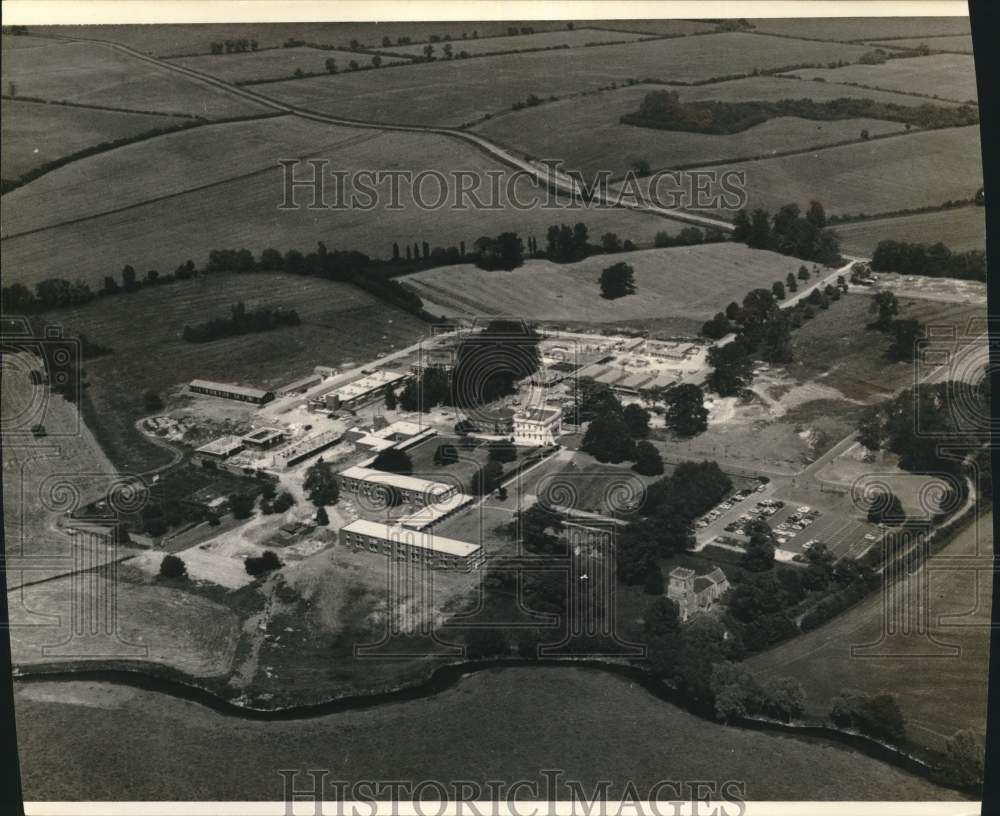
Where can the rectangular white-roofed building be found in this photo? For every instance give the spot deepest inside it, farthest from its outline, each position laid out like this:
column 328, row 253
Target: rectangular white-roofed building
column 411, row 545
column 537, row 426
column 411, row 489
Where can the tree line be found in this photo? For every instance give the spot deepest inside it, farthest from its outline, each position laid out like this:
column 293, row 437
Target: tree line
column 789, row 232
column 241, row 321
column 930, row 260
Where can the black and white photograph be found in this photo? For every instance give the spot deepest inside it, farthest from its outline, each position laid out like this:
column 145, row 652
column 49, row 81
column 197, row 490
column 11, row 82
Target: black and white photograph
column 526, row 409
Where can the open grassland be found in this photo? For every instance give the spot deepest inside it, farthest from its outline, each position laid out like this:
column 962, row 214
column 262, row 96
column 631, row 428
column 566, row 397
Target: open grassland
column 526, row 719
column 33, row 134
column 171, row 164
column 93, row 74
column 864, row 28
column 155, row 623
column 959, row 229
column 576, row 38
column 454, row 93
column 244, row 212
column 915, row 170
column 944, row 76
column 189, row 39
column 838, row 349
column 339, row 323
column 276, row 63
column 588, row 135
column 939, row 692
column 959, row 43
column 653, row 27
column 687, row 284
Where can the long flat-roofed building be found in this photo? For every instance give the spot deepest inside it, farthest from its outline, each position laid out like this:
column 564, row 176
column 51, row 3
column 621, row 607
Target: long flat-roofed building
column 363, row 391
column 411, row 545
column 233, row 392
column 221, row 448
column 364, row 481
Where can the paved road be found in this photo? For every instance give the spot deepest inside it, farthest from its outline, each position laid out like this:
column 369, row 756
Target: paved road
column 545, row 176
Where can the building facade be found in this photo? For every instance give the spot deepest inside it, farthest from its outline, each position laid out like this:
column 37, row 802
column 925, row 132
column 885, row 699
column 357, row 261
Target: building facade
column 537, row 426
column 411, row 545
column 365, row 482
column 695, row 593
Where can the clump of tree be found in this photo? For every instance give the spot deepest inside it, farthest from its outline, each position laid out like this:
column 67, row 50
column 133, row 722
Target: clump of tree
column 506, row 251
column 688, row 236
column 686, row 414
column 930, row 260
column 876, row 716
column 261, row 565
column 320, row 484
column 173, row 567
column 789, row 232
column 241, row 322
column 618, row 280
column 393, row 460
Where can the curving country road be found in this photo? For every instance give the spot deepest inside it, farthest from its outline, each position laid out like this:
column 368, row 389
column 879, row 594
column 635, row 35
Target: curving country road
column 543, row 175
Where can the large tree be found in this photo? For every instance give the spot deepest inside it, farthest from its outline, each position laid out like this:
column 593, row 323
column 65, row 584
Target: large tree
column 617, row 281
column 393, row 460
column 686, row 414
column 320, row 484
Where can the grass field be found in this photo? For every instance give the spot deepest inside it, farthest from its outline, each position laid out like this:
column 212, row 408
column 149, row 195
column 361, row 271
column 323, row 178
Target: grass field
column 916, row 170
column 340, row 323
column 959, row 229
column 244, row 213
column 96, row 75
column 34, row 134
column 174, row 163
column 525, row 719
column 275, row 63
column 589, row 136
column 577, row 38
column 938, row 695
column 460, row 92
column 865, row 28
column 960, row 43
column 652, row 26
column 688, row 284
column 946, row 76
column 175, row 40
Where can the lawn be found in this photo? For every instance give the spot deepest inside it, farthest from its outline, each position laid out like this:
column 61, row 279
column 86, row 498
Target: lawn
column 339, row 323
column 34, row 134
column 938, row 694
column 525, row 719
column 945, row 76
column 959, row 43
column 685, row 284
column 457, row 92
column 92, row 74
column 576, row 38
column 243, row 212
column 172, row 164
column 190, row 39
column 276, row 63
column 959, row 229
column 885, row 175
column 865, row 28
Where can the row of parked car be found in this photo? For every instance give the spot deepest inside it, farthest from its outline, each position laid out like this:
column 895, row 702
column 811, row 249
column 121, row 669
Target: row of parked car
column 726, row 505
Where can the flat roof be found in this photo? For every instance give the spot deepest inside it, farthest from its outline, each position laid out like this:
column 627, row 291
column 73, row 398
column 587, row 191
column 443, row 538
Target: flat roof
column 424, row 540
column 365, row 384
column 538, row 414
column 232, row 389
column 222, row 446
column 395, row 480
column 263, row 433
column 435, row 511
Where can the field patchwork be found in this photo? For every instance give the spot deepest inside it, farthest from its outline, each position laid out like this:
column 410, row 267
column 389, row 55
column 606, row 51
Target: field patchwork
column 864, row 28
column 959, row 229
column 277, row 63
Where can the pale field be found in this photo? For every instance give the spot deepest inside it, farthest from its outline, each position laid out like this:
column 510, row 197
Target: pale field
column 939, row 692
column 244, row 212
column 653, row 27
column 588, row 135
column 915, row 170
column 153, row 623
column 34, row 134
column 579, row 37
column 865, row 28
column 687, row 284
column 176, row 40
column 452, row 94
column 947, row 76
column 172, row 164
column 92, row 74
column 523, row 719
column 276, row 63
column 962, row 228
column 960, row 43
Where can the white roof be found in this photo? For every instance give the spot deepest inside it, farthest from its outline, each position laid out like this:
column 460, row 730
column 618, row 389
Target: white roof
column 230, row 389
column 427, row 541
column 365, row 384
column 396, row 480
column 222, row 446
column 425, row 516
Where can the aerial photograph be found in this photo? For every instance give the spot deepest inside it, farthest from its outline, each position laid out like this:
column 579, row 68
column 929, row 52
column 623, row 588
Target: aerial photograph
column 496, row 410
